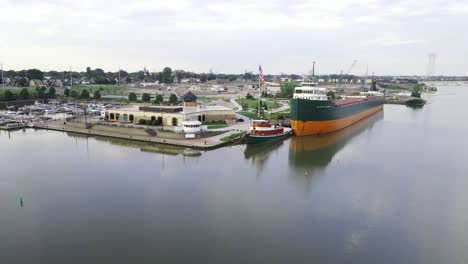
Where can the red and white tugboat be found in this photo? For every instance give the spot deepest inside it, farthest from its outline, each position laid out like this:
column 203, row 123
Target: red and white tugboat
column 262, row 131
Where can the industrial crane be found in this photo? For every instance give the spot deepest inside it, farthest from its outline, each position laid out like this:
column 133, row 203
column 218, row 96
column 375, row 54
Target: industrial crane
column 347, row 72
column 351, row 67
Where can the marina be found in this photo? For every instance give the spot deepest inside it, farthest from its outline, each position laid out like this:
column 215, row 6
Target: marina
column 192, row 124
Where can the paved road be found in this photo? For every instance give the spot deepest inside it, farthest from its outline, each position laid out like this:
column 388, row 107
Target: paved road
column 239, row 107
column 282, row 108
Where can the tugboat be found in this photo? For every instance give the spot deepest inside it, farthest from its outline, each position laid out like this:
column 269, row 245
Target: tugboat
column 262, row 131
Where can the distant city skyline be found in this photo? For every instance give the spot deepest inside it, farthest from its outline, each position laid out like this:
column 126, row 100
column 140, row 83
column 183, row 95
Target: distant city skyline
column 388, row 37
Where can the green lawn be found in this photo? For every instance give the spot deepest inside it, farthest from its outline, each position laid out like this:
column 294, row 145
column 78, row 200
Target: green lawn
column 281, row 115
column 106, row 89
column 396, row 86
column 273, row 116
column 217, row 126
column 253, row 103
column 233, row 136
column 114, row 100
column 249, row 114
column 205, row 99
column 17, row 90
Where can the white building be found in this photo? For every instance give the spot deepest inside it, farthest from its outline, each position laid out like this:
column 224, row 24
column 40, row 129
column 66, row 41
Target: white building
column 272, row 87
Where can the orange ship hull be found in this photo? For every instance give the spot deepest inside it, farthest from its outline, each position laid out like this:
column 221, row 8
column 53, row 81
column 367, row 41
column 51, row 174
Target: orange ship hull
column 303, row 128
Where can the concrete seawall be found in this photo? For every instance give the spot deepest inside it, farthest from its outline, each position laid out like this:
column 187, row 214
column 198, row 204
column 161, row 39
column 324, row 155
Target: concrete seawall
column 202, row 143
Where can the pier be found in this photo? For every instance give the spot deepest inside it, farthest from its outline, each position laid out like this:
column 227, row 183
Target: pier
column 201, row 143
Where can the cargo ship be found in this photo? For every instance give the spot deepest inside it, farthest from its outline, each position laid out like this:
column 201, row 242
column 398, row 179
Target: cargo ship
column 314, row 112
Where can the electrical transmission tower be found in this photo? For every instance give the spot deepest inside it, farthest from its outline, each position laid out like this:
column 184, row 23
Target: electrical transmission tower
column 431, row 66
column 430, row 74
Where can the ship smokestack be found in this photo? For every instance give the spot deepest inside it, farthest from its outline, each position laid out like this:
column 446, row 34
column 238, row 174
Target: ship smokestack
column 313, row 69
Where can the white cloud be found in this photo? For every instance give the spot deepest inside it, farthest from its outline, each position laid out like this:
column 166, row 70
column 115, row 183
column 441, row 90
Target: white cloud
column 458, row 8
column 368, row 19
column 150, row 5
column 391, row 40
column 185, row 33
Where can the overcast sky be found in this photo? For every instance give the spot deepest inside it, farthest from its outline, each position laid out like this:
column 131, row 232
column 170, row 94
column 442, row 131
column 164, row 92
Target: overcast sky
column 391, row 37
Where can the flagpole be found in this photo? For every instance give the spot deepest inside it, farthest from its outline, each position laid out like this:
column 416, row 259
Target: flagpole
column 3, row 81
column 259, row 91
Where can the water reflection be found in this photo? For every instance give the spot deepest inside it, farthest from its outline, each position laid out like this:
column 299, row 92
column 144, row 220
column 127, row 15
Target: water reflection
column 143, row 146
column 259, row 154
column 310, row 155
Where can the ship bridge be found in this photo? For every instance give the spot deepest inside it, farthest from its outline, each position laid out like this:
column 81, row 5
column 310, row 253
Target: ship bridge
column 310, row 91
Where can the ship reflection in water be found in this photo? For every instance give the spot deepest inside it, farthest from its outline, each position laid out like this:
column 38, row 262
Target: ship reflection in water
column 259, row 154
column 311, row 155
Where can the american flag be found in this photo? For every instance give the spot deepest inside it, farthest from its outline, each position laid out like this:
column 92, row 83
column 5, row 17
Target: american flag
column 260, row 74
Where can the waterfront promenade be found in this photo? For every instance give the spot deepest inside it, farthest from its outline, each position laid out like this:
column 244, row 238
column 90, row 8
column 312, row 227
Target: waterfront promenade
column 201, row 143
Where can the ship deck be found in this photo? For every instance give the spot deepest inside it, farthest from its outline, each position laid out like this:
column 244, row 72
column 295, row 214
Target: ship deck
column 348, row 101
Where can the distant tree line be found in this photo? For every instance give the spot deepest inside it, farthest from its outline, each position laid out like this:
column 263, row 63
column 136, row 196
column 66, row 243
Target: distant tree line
column 166, row 75
column 146, row 97
column 28, row 94
column 99, row 76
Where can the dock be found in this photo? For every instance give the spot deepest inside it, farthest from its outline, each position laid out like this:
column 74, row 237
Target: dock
column 10, row 127
column 200, row 143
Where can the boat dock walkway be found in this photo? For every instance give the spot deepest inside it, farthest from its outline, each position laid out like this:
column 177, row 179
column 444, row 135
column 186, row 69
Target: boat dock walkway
column 201, row 143
column 13, row 127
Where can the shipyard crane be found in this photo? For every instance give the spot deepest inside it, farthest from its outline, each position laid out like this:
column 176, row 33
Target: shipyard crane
column 347, row 72
column 351, row 67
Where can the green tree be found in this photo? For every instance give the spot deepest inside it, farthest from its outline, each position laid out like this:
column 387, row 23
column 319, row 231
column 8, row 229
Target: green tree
column 41, row 92
column 52, row 92
column 249, row 96
column 203, row 77
column 74, row 94
column 24, row 94
column 173, row 99
column 416, row 91
column 123, row 74
column 97, row 95
column 167, row 75
column 98, row 73
column 331, row 95
column 22, row 82
column 84, row 94
column 287, row 90
column 101, row 80
column 132, row 96
column 245, row 105
column 146, row 97
column 55, row 74
column 8, row 96
column 159, row 99
column 10, row 74
column 89, row 73
column 66, row 92
column 35, row 74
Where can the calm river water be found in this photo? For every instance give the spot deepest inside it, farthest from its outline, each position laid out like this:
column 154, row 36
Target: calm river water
column 390, row 189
